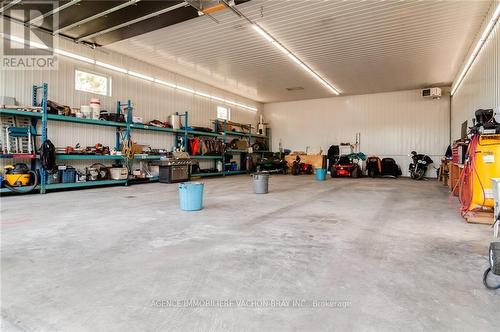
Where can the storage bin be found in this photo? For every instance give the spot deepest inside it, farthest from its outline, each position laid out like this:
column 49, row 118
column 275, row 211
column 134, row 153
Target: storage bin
column 67, row 175
column 191, row 196
column 118, row 173
column 261, row 183
column 320, row 174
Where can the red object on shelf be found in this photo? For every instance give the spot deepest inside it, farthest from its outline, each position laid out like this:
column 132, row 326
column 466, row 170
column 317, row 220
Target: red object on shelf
column 18, row 156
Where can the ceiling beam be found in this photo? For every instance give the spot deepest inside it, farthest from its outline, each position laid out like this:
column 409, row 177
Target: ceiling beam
column 96, row 16
column 139, row 19
column 52, row 12
column 8, row 5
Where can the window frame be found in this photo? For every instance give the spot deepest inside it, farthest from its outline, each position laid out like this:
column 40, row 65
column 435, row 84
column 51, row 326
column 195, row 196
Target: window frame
column 228, row 113
column 109, row 81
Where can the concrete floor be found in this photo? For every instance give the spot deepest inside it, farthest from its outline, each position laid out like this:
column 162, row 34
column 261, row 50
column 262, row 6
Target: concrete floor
column 387, row 254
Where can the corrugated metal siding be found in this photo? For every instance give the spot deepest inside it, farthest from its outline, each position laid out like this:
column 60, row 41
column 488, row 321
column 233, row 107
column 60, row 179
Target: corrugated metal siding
column 151, row 101
column 391, row 124
column 481, row 86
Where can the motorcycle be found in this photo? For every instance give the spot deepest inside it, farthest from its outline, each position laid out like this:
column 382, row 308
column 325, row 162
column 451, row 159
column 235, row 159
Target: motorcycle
column 419, row 165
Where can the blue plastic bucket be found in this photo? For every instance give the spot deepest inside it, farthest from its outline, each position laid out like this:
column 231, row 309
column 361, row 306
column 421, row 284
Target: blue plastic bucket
column 321, row 174
column 191, row 196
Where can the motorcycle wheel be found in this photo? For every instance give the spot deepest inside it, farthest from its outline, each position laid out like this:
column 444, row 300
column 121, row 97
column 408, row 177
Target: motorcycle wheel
column 371, row 173
column 419, row 174
column 295, row 169
column 309, row 170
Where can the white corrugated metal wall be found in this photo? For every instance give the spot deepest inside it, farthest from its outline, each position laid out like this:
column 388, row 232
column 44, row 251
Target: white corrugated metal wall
column 391, row 124
column 151, row 100
column 481, row 86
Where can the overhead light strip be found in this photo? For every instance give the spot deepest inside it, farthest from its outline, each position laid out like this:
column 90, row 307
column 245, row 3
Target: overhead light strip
column 477, row 49
column 131, row 73
column 292, row 56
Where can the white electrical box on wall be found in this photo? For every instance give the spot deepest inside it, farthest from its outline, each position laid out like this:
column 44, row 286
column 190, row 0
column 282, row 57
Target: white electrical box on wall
column 434, row 93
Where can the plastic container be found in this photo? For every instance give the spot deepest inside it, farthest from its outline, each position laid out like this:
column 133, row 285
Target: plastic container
column 261, row 183
column 191, row 196
column 67, row 175
column 86, row 111
column 321, row 174
column 118, row 173
column 95, row 107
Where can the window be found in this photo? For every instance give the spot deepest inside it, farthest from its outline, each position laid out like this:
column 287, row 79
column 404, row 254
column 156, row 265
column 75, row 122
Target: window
column 93, row 83
column 223, row 113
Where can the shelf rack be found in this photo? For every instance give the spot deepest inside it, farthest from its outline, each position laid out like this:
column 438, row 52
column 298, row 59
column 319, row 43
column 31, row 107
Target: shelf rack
column 41, row 114
column 224, row 134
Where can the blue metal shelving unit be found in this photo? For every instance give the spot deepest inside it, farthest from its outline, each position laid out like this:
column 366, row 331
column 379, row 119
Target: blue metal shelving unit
column 120, row 127
column 225, row 133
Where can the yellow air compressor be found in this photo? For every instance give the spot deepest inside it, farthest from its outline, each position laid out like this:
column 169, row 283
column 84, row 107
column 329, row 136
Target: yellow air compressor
column 18, row 175
column 486, row 167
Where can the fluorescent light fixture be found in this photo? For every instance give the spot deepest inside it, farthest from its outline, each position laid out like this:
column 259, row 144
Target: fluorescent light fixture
column 219, row 99
column 185, row 89
column 284, row 50
column 484, row 36
column 262, row 33
column 172, row 85
column 73, row 56
column 25, row 42
column 139, row 75
column 203, row 94
column 108, row 66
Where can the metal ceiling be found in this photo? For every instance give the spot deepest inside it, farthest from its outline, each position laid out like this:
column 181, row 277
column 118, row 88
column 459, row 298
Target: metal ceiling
column 100, row 22
column 359, row 46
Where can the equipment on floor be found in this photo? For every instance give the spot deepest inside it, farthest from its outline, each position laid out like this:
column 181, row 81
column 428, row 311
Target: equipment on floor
column 373, row 166
column 17, row 175
column 299, row 167
column 333, row 155
column 17, row 178
column 270, row 162
column 485, row 122
column 390, row 168
column 345, row 167
column 494, row 268
column 175, row 169
column 475, row 186
column 419, row 165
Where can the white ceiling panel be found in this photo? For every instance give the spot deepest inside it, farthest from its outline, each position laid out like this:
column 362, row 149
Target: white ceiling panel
column 359, row 46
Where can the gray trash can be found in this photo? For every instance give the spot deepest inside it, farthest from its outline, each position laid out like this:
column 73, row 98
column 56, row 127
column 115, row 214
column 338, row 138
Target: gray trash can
column 260, row 183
